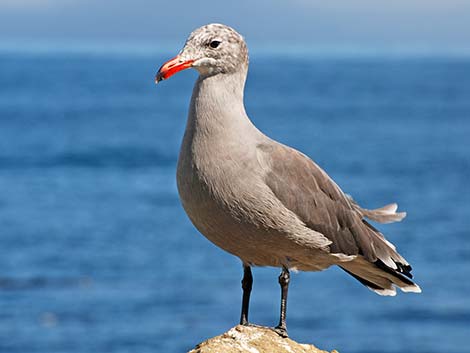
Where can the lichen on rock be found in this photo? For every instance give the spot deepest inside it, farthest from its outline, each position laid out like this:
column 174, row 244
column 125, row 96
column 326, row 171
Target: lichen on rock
column 253, row 339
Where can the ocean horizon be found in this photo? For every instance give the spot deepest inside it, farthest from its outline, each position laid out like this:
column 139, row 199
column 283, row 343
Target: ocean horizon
column 127, row 47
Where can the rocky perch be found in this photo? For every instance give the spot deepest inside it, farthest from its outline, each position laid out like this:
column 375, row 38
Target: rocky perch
column 248, row 339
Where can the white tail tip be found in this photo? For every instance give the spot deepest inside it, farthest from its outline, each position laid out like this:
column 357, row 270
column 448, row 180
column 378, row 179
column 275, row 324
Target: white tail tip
column 385, row 292
column 411, row 289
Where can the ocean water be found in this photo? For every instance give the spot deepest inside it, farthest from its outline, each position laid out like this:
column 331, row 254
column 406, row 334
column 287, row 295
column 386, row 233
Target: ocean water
column 97, row 254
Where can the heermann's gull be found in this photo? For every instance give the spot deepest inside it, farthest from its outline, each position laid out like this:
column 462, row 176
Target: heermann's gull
column 262, row 201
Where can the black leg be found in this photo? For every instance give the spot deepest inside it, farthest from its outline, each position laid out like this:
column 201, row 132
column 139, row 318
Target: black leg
column 247, row 284
column 284, row 279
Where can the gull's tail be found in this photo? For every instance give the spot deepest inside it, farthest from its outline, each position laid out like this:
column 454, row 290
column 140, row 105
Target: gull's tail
column 380, row 277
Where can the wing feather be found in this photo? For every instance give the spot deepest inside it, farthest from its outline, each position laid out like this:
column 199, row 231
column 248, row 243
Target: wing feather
column 305, row 189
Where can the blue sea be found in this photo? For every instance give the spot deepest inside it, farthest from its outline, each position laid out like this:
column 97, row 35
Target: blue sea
column 97, row 254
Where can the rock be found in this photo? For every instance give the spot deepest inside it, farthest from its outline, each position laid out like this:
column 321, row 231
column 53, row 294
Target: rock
column 250, row 339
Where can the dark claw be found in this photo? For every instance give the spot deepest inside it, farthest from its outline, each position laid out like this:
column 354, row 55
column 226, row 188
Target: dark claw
column 281, row 331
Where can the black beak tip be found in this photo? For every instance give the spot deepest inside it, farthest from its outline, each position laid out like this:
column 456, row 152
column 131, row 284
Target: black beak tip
column 158, row 77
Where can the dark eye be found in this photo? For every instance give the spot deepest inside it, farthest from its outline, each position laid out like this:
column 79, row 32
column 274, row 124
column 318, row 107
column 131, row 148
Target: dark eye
column 214, row 44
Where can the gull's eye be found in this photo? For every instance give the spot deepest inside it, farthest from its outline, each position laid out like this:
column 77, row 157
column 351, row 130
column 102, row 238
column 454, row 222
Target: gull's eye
column 214, row 44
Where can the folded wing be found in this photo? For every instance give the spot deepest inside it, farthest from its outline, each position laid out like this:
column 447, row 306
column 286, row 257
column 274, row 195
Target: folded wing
column 305, row 189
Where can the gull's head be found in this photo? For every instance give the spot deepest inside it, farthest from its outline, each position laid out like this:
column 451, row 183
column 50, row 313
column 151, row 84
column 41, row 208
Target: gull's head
column 211, row 49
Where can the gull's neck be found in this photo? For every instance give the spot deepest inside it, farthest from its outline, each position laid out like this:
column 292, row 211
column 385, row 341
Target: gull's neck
column 217, row 109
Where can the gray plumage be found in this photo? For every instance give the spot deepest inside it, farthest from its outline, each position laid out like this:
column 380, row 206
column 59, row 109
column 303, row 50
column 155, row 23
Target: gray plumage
column 262, row 201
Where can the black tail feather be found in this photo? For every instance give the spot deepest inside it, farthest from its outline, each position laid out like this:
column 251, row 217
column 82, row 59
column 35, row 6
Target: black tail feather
column 402, row 273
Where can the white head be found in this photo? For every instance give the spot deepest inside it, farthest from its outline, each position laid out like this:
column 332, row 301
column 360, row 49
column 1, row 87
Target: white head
column 211, row 49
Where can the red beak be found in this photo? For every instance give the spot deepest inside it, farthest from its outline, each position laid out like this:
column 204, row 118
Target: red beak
column 171, row 67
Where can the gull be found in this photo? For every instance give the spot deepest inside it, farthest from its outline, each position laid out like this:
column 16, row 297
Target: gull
column 262, row 201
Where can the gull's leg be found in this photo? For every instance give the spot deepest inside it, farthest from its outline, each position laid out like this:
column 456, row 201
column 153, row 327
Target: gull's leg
column 284, row 279
column 247, row 284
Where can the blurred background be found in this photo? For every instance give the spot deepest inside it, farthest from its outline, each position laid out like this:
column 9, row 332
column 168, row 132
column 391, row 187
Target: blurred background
column 96, row 252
